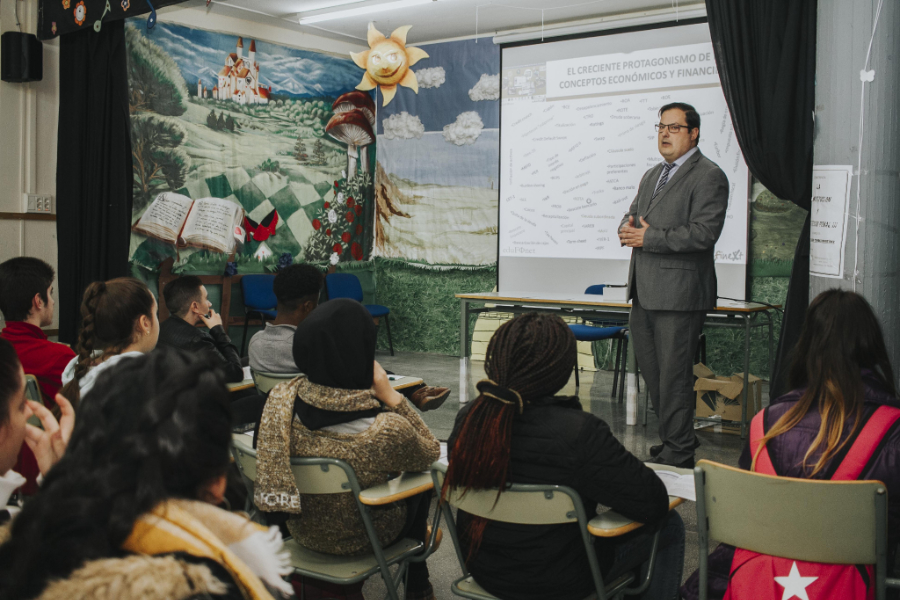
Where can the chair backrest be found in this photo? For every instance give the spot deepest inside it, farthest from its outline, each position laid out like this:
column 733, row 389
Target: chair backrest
column 311, row 475
column 266, row 381
column 343, row 285
column 596, row 290
column 838, row 522
column 32, row 389
column 258, row 292
column 519, row 503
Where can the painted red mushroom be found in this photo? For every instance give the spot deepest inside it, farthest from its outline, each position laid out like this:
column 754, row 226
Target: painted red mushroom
column 357, row 100
column 351, row 128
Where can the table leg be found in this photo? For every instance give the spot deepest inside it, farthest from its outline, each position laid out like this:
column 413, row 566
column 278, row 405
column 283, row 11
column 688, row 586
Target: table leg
column 463, row 351
column 745, row 394
column 631, row 397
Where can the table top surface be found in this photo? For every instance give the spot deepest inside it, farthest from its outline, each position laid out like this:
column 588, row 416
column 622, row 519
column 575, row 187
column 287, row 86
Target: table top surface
column 595, row 300
column 241, row 385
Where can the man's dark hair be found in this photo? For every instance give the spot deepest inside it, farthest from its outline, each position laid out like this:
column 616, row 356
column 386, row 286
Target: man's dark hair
column 20, row 279
column 179, row 294
column 297, row 284
column 690, row 115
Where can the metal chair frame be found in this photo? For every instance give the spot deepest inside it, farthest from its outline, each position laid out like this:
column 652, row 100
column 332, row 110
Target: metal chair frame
column 574, row 512
column 307, row 475
column 769, row 525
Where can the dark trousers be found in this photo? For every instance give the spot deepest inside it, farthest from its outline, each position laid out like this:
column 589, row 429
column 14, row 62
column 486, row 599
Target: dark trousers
column 665, row 342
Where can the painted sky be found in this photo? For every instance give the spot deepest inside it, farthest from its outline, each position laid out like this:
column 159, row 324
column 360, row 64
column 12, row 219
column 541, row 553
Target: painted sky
column 464, row 63
column 431, row 159
column 300, row 73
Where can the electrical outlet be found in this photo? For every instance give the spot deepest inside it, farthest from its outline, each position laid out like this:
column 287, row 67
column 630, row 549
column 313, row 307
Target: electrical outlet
column 39, row 203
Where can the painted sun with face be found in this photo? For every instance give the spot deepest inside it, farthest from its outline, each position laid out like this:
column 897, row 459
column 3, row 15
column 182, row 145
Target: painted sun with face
column 387, row 63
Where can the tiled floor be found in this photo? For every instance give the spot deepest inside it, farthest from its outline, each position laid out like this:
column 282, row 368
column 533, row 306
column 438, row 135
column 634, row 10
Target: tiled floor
column 439, row 370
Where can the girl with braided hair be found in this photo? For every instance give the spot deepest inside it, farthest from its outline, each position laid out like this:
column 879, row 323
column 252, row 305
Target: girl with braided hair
column 130, row 511
column 118, row 320
column 519, row 431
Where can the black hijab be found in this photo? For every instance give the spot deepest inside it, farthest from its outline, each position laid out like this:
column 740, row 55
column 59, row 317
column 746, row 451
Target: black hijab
column 335, row 347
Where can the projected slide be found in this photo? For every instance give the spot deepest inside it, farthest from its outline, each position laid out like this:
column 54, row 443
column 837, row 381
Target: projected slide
column 577, row 135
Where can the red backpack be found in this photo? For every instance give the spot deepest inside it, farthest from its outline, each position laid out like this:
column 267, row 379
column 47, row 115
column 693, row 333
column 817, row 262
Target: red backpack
column 764, row 577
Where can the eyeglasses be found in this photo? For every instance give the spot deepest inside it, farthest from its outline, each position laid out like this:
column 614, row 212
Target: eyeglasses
column 673, row 127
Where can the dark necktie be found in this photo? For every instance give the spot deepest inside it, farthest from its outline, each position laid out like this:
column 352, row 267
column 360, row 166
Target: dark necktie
column 665, row 178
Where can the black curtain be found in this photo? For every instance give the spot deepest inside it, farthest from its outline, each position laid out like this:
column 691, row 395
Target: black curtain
column 766, row 55
column 93, row 166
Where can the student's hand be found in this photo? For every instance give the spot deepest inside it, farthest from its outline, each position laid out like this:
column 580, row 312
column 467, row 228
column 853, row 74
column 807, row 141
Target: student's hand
column 49, row 444
column 383, row 390
column 212, row 320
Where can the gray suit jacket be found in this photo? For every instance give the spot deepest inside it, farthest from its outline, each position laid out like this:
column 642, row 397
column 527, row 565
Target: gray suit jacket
column 675, row 269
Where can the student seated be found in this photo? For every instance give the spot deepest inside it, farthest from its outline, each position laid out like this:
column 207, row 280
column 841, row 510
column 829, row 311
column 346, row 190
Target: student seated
column 840, row 374
column 26, row 301
column 519, row 431
column 118, row 320
column 48, row 443
column 188, row 304
column 343, row 407
column 131, row 511
column 297, row 290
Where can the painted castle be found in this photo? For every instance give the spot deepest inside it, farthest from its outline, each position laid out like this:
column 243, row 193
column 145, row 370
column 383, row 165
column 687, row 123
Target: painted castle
column 239, row 78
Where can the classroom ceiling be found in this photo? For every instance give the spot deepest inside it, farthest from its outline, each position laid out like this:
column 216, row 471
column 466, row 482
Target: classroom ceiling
column 436, row 20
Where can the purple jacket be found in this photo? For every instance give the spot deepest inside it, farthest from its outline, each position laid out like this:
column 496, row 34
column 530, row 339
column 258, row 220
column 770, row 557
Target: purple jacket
column 787, row 451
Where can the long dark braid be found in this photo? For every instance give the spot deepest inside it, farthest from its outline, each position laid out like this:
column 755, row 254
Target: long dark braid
column 528, row 358
column 109, row 311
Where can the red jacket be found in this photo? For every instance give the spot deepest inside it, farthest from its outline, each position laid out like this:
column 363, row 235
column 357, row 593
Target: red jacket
column 39, row 356
column 45, row 360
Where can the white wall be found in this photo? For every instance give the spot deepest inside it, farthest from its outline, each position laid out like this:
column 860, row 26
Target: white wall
column 28, row 122
column 29, row 114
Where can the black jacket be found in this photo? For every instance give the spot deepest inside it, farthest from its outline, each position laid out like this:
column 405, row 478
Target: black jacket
column 555, row 442
column 176, row 332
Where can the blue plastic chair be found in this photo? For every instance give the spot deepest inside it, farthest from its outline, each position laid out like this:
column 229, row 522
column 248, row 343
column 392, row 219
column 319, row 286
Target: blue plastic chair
column 259, row 299
column 346, row 285
column 598, row 331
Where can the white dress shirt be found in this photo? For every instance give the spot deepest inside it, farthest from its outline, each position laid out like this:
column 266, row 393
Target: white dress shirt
column 678, row 162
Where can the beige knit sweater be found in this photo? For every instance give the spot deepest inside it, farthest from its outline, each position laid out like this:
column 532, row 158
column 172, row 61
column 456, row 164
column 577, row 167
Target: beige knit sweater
column 330, row 523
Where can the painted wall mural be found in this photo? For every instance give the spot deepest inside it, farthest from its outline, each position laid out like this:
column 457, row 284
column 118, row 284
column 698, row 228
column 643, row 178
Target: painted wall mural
column 436, row 174
column 249, row 147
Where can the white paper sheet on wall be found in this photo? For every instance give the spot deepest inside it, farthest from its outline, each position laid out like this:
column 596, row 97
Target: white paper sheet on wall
column 828, row 220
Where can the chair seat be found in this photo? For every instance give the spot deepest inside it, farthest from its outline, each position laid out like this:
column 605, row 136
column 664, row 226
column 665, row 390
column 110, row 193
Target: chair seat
column 587, row 333
column 377, row 310
column 467, row 588
column 346, row 569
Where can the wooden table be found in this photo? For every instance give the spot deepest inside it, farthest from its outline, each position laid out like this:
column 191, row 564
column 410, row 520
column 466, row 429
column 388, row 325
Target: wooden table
column 730, row 314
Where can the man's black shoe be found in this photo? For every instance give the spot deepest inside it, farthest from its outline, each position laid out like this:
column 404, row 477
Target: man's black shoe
column 656, row 450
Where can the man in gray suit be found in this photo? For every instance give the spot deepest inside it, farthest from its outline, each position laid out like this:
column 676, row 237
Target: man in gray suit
column 672, row 227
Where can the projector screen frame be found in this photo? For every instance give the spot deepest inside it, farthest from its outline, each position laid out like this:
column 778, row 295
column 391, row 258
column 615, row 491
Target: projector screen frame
column 604, row 33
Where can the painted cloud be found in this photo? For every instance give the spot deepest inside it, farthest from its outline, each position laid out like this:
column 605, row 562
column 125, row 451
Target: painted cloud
column 465, row 130
column 403, row 126
column 487, row 88
column 431, row 78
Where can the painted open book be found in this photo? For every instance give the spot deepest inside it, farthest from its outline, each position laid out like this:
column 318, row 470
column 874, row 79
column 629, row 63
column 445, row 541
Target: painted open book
column 205, row 223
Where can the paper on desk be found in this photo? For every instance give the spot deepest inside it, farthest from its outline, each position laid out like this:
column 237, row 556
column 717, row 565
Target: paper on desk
column 247, row 374
column 393, row 377
column 680, row 486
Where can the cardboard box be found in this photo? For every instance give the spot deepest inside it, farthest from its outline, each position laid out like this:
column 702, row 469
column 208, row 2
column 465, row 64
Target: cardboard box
column 721, row 396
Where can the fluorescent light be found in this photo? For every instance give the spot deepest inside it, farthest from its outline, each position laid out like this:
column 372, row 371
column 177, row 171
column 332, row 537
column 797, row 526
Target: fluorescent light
column 314, row 6
column 362, row 10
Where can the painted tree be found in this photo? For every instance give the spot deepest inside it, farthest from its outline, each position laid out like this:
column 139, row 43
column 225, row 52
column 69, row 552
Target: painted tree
column 211, row 119
column 300, row 150
column 318, row 153
column 159, row 163
column 155, row 83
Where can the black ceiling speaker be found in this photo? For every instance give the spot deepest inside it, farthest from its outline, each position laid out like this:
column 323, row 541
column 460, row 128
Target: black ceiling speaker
column 21, row 57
